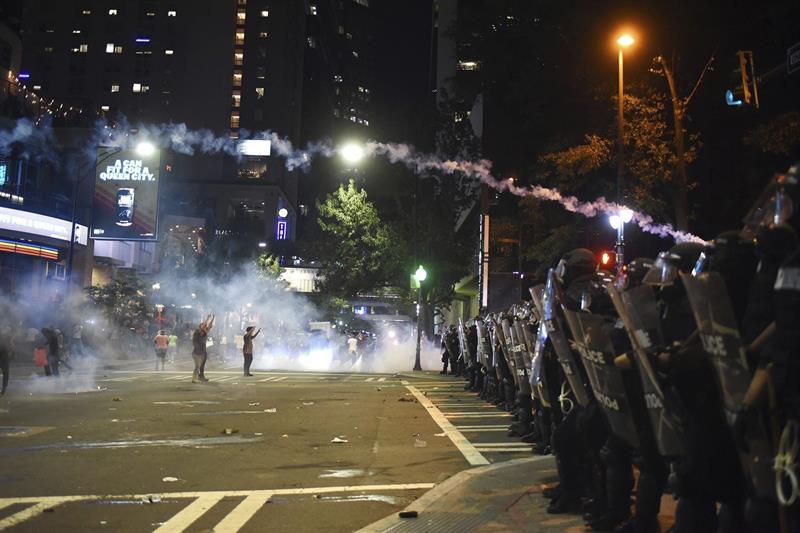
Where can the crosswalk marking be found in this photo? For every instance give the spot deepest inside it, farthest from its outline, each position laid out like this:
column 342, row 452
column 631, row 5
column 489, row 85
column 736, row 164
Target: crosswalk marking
column 241, row 514
column 201, row 503
column 476, row 415
column 504, row 450
column 369, row 379
column 281, row 378
column 381, row 379
column 189, row 514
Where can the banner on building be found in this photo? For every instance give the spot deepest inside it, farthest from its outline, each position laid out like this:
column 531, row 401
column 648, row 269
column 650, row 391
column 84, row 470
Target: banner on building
column 125, row 205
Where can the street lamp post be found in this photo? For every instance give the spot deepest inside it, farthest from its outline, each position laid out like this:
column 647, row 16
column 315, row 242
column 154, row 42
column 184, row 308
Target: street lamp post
column 624, row 41
column 617, row 221
column 420, row 276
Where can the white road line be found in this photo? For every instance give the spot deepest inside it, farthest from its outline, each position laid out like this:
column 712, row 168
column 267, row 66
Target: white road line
column 229, row 378
column 30, row 512
column 502, row 445
column 266, row 379
column 482, row 426
column 282, row 378
column 189, row 514
column 467, row 449
column 381, row 379
column 243, row 512
column 505, row 450
column 171, row 378
column 369, row 379
column 465, row 404
column 477, row 415
column 483, row 430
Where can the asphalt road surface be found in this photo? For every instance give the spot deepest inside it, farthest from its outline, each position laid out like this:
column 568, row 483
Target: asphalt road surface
column 130, row 449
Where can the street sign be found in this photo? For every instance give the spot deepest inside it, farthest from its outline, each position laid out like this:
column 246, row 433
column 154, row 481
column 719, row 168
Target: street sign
column 793, row 58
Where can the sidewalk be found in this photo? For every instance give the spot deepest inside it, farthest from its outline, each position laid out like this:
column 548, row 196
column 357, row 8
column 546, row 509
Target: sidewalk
column 501, row 497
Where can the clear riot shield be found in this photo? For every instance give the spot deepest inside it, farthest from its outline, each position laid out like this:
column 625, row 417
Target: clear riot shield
column 484, row 353
column 508, row 348
column 555, row 332
column 639, row 312
column 518, row 352
column 537, row 350
column 462, row 342
column 592, row 336
column 540, row 389
column 719, row 335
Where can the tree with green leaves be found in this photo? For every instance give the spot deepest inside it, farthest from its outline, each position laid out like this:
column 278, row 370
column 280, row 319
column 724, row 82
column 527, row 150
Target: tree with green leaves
column 124, row 302
column 268, row 266
column 359, row 252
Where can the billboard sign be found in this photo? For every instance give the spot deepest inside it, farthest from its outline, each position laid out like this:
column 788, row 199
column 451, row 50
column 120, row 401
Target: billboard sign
column 125, row 205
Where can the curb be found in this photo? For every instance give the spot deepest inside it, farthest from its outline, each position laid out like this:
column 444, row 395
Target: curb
column 427, row 500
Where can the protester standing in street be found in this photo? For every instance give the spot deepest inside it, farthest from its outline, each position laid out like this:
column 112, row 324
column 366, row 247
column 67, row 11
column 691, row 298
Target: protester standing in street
column 162, row 343
column 199, row 353
column 172, row 346
column 51, row 341
column 76, row 346
column 247, row 349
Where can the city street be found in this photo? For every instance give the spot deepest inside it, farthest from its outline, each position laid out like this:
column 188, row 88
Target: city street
column 143, row 450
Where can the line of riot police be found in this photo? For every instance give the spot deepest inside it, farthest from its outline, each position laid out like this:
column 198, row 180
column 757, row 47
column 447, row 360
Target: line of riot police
column 684, row 369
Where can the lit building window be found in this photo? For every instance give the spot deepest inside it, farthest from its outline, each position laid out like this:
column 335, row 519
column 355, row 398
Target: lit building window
column 264, row 13
column 312, row 43
column 336, row 112
column 151, row 13
column 86, row 12
column 237, row 78
column 112, row 12
column 364, row 3
column 312, row 9
column 172, row 13
column 355, row 54
column 140, row 88
column 115, row 88
column 109, row 48
column 337, row 78
column 366, row 122
column 259, row 93
column 261, row 73
column 83, row 48
column 37, row 87
column 235, row 119
column 469, row 65
column 241, row 16
column 48, row 49
column 105, row 107
column 241, row 2
column 76, row 32
column 341, row 30
column 238, row 58
column 169, row 52
column 239, row 37
column 237, row 98
column 349, row 35
column 263, row 34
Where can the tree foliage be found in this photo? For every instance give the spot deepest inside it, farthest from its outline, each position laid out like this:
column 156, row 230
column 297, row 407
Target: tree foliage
column 359, row 251
column 268, row 266
column 780, row 136
column 123, row 301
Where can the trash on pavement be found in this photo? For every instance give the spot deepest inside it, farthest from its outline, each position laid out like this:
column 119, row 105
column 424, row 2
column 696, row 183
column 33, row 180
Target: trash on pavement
column 271, row 410
column 338, row 440
column 116, row 399
column 151, row 499
column 258, row 434
column 408, row 514
column 412, row 400
column 230, row 431
column 254, row 404
column 169, row 479
column 308, row 403
column 284, row 436
column 443, row 434
column 419, row 443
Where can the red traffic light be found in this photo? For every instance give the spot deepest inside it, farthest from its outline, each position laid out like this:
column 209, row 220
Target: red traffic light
column 608, row 259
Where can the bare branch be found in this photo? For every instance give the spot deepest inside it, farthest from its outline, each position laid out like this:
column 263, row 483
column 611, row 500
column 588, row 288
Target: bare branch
column 700, row 79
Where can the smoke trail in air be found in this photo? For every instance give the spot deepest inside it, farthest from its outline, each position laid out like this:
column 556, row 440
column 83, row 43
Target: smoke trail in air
column 181, row 139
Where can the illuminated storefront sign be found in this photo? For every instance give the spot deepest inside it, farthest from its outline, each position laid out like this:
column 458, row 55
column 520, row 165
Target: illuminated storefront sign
column 42, row 225
column 24, row 248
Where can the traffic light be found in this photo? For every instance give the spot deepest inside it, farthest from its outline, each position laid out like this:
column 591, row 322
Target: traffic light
column 749, row 82
column 608, row 259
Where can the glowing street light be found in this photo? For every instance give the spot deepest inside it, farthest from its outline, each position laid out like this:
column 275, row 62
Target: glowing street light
column 625, row 40
column 420, row 275
column 145, row 149
column 617, row 221
column 352, row 152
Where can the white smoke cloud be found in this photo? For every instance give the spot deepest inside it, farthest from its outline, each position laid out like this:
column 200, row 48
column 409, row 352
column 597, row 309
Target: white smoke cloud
column 180, row 138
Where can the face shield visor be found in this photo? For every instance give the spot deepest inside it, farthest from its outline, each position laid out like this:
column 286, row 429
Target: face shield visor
column 663, row 273
column 773, row 207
